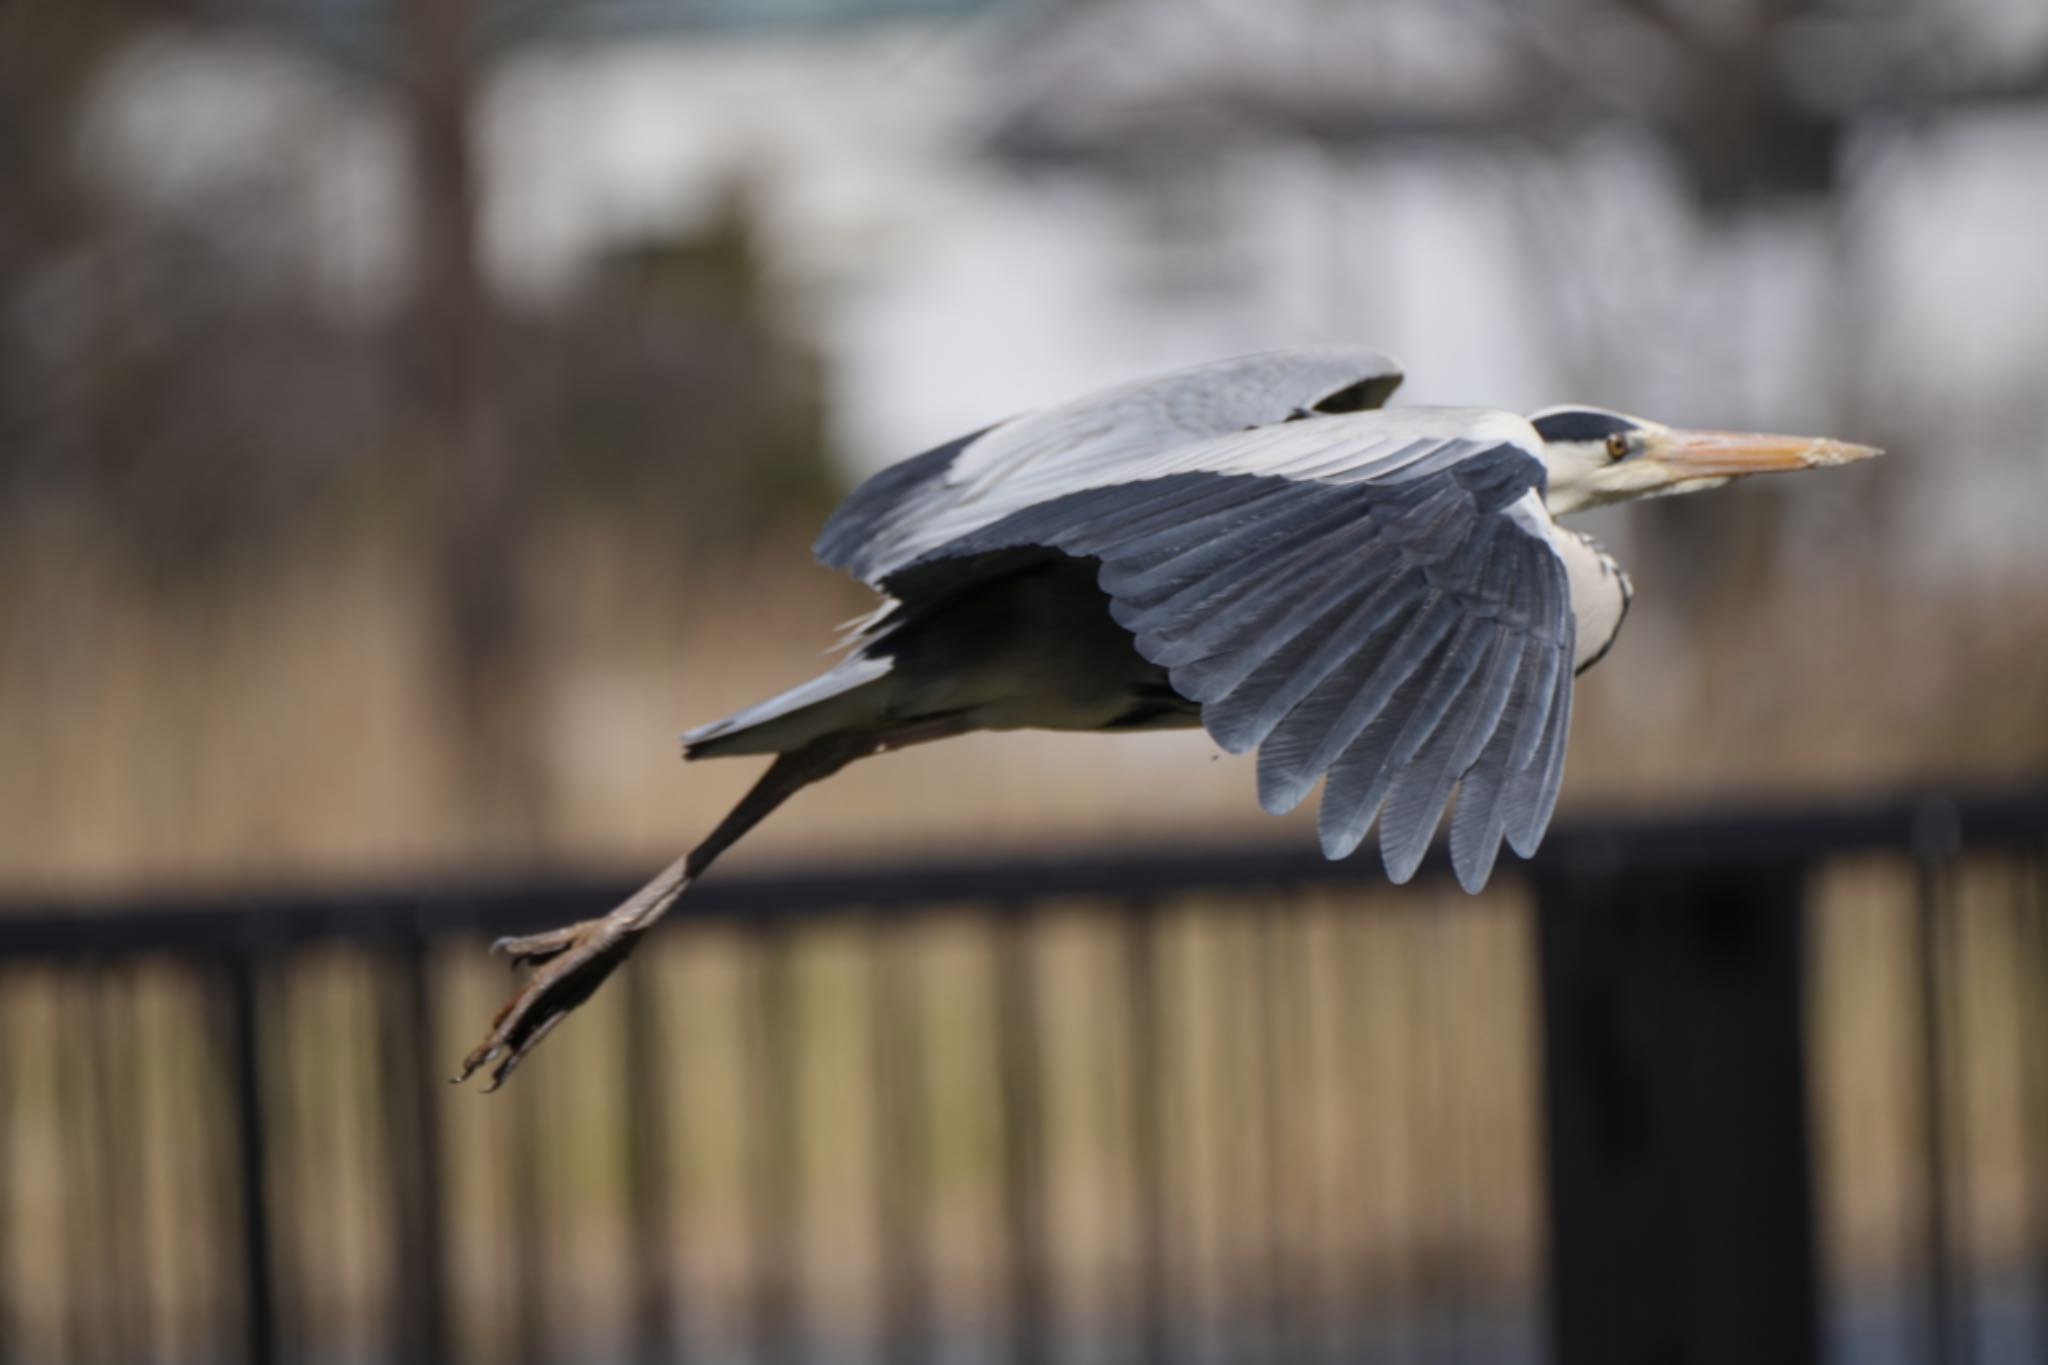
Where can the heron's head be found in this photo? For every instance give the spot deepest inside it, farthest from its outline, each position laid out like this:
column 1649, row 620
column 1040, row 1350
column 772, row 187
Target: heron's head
column 1596, row 457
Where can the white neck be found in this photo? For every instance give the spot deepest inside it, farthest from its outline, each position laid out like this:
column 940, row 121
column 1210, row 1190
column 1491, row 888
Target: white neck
column 1600, row 595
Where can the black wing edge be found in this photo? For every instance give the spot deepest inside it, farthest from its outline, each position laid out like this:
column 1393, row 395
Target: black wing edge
column 847, row 539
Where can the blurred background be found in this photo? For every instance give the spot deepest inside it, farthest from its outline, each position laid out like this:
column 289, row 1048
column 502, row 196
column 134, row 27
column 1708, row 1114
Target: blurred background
column 413, row 413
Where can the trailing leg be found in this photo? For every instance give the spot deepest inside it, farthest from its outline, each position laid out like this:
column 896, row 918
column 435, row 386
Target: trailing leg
column 571, row 962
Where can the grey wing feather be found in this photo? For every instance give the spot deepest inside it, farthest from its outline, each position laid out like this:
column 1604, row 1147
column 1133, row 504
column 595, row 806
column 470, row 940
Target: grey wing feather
column 911, row 509
column 1405, row 634
column 1480, row 820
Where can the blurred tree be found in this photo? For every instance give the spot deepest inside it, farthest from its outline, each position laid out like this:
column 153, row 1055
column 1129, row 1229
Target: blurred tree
column 165, row 395
column 671, row 389
column 478, row 504
column 176, row 395
column 670, row 394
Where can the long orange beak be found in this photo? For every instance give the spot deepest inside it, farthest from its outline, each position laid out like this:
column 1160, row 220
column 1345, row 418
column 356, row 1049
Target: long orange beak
column 1730, row 454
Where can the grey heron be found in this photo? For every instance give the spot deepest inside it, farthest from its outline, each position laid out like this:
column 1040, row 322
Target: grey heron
column 1378, row 599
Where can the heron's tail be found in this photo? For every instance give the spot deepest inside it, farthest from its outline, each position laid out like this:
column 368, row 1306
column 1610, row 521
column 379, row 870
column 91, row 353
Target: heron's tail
column 850, row 696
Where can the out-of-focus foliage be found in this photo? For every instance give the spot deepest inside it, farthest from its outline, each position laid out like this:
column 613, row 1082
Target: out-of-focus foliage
column 174, row 397
column 666, row 395
column 186, row 411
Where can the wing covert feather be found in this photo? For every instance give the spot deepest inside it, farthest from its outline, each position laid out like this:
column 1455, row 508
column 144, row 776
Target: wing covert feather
column 1113, row 436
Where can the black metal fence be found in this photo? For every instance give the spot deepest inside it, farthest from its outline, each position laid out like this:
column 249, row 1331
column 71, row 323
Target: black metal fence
column 1766, row 1086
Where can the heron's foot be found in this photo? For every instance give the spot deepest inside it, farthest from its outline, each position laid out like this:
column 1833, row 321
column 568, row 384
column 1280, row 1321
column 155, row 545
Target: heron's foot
column 569, row 965
column 530, row 950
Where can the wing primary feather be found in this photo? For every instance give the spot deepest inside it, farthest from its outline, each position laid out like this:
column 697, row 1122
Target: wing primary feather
column 1306, row 660
column 1532, row 792
column 1244, row 714
column 1476, row 829
column 1416, row 800
column 1421, row 757
column 1408, row 652
column 1223, row 672
column 1363, row 773
column 1480, row 816
column 1503, row 665
column 1298, row 750
column 1529, row 736
column 1553, row 764
column 1360, row 780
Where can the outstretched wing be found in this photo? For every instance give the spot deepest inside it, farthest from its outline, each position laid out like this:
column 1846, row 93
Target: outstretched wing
column 914, row 507
column 1376, row 598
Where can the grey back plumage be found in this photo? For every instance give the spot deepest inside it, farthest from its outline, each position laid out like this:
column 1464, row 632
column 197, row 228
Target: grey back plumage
column 1375, row 598
column 916, row 506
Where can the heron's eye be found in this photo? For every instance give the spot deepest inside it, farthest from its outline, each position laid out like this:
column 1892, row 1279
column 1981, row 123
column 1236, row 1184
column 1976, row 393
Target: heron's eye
column 1617, row 446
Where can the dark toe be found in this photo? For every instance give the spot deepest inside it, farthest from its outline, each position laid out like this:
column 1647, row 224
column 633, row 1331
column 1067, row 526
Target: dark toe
column 573, row 972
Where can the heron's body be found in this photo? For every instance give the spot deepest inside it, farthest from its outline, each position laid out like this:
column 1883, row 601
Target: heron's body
column 1031, row 648
column 1379, row 600
column 1034, row 645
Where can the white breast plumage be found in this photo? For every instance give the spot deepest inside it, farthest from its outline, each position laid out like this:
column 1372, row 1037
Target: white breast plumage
column 1600, row 595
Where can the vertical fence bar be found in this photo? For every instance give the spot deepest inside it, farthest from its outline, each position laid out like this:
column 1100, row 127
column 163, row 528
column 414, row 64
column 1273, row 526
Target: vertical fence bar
column 92, row 1186
column 1311, row 1018
column 1276, row 1309
column 10, row 1236
column 775, row 1168
column 532, row 1246
column 252, row 1157
column 1144, row 1014
column 2032, row 965
column 1020, row 1084
column 85, row 1226
column 1358, row 1021
column 124, row 1293
column 2030, row 995
column 1239, row 1322
column 1934, row 840
column 1308, row 1100
column 285, row 1130
column 902, row 1191
column 648, row 1133
column 411, row 1107
column 81, row 1228
column 1681, row 1224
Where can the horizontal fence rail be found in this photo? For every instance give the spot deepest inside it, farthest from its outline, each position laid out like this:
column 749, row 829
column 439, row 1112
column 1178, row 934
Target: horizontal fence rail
column 1930, row 825
column 1210, row 1105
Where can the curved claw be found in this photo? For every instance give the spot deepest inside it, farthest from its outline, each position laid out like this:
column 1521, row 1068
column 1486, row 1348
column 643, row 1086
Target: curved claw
column 518, row 1053
column 572, row 963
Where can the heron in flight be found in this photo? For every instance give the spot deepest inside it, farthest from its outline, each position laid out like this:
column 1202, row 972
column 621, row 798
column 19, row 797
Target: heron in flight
column 1377, row 599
